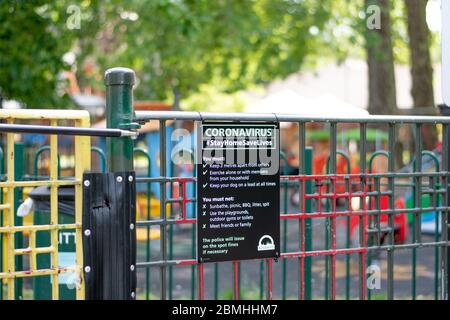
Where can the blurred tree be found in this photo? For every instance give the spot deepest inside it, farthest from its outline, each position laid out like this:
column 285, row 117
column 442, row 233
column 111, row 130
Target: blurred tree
column 421, row 66
column 380, row 58
column 34, row 36
column 176, row 46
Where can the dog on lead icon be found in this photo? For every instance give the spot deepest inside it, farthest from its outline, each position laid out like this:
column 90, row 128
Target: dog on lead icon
column 266, row 243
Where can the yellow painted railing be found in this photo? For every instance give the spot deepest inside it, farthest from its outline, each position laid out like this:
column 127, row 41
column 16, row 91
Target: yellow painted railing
column 8, row 272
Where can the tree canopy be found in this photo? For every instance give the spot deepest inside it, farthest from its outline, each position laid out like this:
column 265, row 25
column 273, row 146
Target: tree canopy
column 33, row 40
column 180, row 45
column 175, row 46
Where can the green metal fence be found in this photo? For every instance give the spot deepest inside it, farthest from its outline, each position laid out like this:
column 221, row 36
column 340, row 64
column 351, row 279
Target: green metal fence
column 376, row 225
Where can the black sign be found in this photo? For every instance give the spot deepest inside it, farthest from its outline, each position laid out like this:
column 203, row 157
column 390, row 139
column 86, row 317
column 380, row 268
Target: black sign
column 238, row 191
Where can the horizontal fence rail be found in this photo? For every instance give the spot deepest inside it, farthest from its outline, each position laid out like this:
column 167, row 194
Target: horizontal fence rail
column 59, row 130
column 144, row 116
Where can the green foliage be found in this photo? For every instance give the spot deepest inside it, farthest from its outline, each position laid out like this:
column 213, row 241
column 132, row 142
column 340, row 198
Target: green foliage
column 177, row 45
column 33, row 39
column 180, row 45
column 211, row 98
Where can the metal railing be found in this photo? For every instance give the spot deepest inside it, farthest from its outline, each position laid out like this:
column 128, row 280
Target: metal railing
column 25, row 246
column 344, row 222
column 376, row 222
column 9, row 230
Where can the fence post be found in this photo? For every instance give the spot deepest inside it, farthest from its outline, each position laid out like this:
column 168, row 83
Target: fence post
column 109, row 203
column 119, row 115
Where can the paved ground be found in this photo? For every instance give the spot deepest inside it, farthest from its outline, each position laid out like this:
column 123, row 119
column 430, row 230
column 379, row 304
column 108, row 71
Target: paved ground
column 250, row 270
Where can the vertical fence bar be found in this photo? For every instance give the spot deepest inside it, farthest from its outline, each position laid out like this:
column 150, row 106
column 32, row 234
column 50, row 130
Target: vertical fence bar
column 346, row 181
column 32, row 245
column 331, row 232
column 372, row 201
column 301, row 171
column 391, row 238
column 333, row 242
column 261, row 280
column 148, row 230
column 348, row 242
column 239, row 278
column 82, row 164
column 348, row 185
column 445, row 250
column 54, row 211
column 236, row 280
column 201, row 282
column 170, row 269
column 163, row 227
column 374, row 185
column 170, row 242
column 377, row 206
column 11, row 265
column 417, row 204
column 269, row 279
column 434, row 201
column 216, row 281
column 19, row 163
column 308, row 227
column 285, row 224
column 362, row 204
column 302, row 228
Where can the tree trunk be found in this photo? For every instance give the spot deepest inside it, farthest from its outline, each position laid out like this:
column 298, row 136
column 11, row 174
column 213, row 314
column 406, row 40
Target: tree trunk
column 421, row 68
column 380, row 61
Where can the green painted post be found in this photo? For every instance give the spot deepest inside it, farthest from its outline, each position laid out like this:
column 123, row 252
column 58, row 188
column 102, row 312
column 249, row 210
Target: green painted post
column 119, row 115
column 308, row 225
column 171, row 234
column 216, row 281
column 19, row 163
